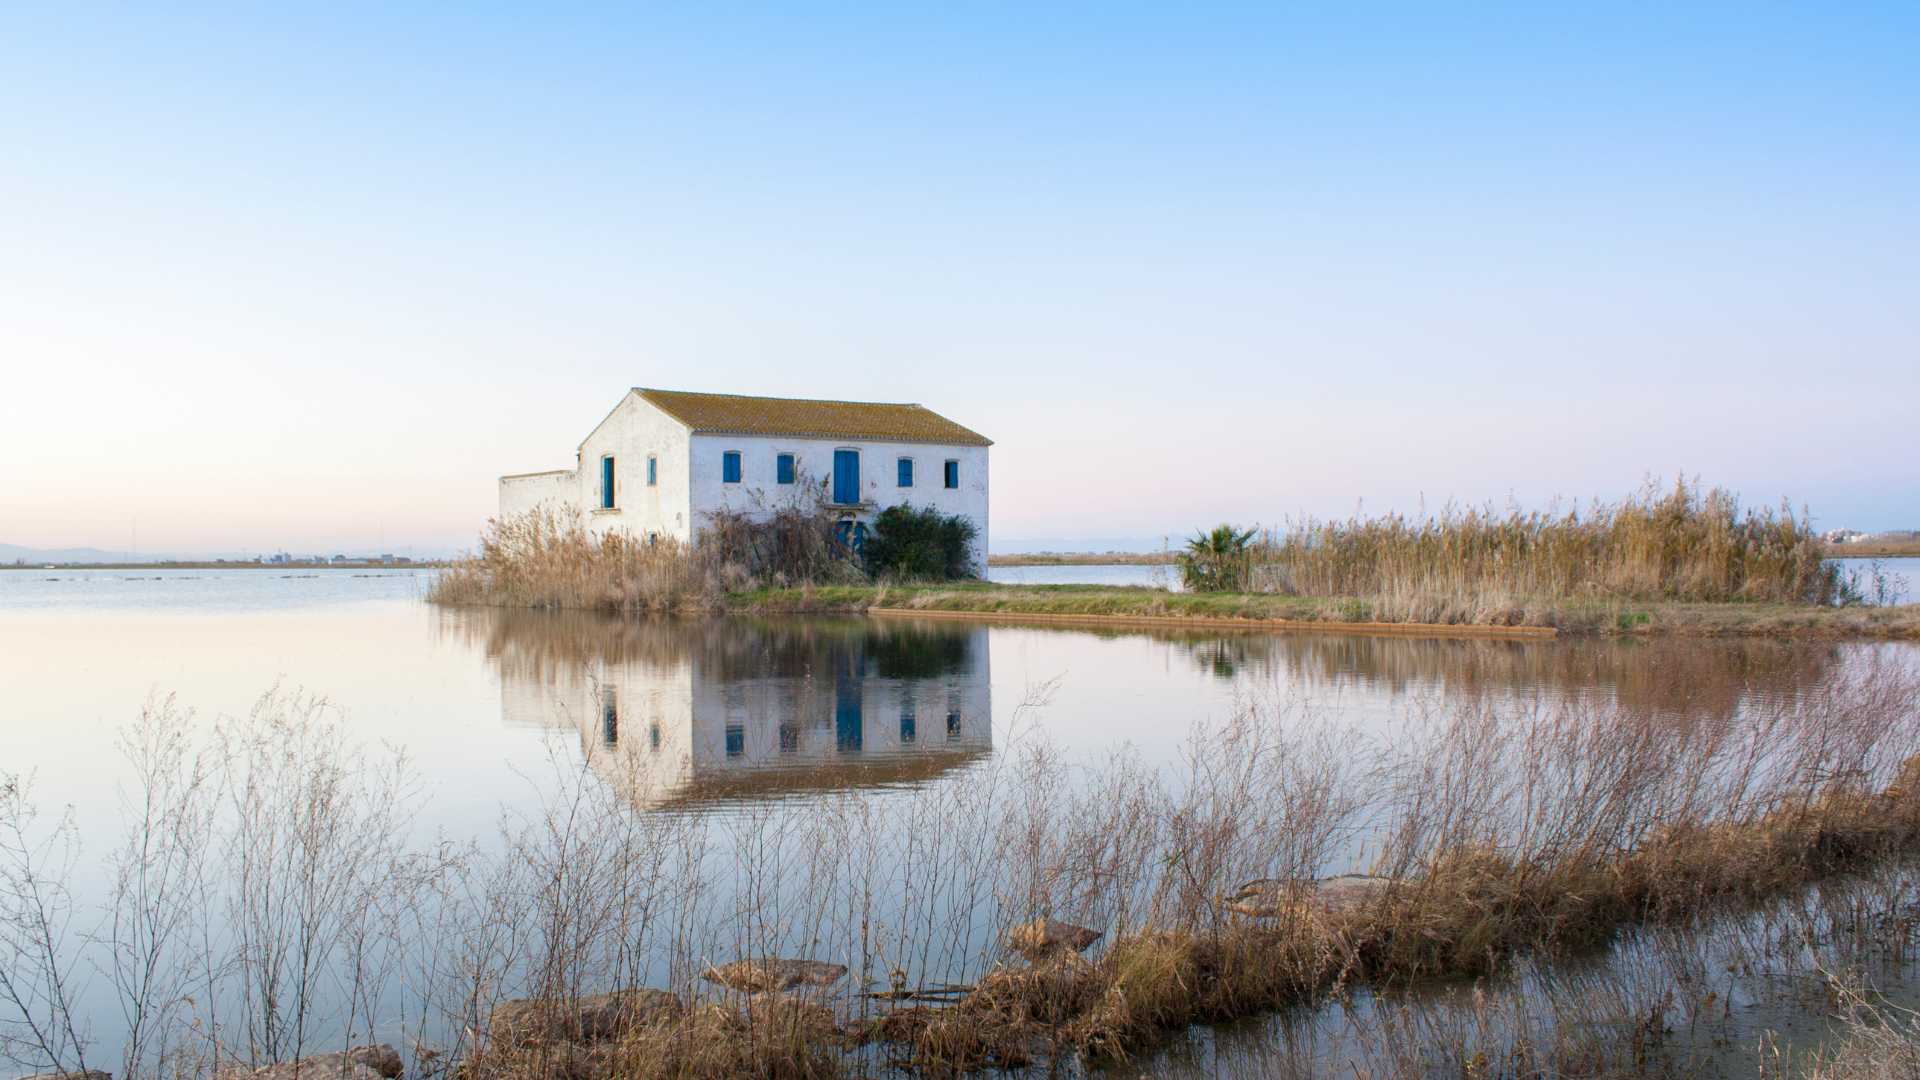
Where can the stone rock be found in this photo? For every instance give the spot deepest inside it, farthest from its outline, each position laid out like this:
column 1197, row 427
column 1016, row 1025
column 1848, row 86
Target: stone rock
column 1044, row 937
column 763, row 976
column 381, row 1062
column 1271, row 898
column 591, row 1019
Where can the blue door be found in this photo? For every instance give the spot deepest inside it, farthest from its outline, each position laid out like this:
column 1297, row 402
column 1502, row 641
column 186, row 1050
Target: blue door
column 846, row 477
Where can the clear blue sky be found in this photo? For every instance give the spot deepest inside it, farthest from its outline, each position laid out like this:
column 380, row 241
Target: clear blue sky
column 315, row 278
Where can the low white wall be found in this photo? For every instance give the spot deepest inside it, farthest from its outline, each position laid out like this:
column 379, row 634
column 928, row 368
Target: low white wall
column 522, row 492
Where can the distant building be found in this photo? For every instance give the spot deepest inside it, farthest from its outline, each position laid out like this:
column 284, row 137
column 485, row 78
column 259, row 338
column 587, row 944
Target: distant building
column 1843, row 536
column 663, row 462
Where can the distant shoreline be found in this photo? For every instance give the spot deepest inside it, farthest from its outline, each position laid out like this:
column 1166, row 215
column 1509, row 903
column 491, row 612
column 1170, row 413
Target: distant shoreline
column 1875, row 549
column 370, row 564
column 1084, row 558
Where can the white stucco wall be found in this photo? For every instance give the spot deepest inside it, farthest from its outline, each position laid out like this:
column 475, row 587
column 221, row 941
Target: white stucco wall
column 759, row 492
column 557, row 488
column 632, row 431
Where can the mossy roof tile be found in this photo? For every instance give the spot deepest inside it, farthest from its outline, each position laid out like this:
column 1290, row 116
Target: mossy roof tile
column 738, row 414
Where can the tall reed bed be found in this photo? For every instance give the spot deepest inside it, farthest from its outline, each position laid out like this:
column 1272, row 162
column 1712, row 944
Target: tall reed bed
column 270, row 900
column 1483, row 565
column 547, row 559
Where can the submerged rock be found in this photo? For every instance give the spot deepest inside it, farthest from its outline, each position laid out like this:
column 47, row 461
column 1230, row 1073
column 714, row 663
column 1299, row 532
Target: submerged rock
column 1270, row 898
column 594, row 1018
column 763, row 976
column 1044, row 937
column 380, row 1062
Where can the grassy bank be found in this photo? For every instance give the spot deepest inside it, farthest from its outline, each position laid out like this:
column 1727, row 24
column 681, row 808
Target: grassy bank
column 1121, row 603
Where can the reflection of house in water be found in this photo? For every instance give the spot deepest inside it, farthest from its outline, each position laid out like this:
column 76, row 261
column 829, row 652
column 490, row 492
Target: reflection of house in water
column 680, row 712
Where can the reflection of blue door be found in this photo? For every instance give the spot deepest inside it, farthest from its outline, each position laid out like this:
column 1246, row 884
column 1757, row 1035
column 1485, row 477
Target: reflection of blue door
column 846, row 477
column 848, row 726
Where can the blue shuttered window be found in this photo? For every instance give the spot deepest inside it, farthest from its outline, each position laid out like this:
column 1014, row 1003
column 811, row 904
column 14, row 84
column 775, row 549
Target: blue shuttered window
column 783, row 469
column 906, row 472
column 730, row 467
column 953, row 474
column 653, row 470
column 606, row 483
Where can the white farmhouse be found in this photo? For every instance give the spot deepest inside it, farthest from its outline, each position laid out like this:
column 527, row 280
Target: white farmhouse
column 663, row 461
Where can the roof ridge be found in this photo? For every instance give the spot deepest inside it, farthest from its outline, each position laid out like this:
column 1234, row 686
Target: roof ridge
column 771, row 397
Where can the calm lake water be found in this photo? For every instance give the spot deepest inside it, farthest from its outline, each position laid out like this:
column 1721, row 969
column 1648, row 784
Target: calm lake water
column 725, row 717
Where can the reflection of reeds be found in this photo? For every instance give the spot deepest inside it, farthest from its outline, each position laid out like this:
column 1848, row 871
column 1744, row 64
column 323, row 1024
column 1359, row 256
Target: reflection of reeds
column 539, row 643
column 1506, row 829
column 1676, row 675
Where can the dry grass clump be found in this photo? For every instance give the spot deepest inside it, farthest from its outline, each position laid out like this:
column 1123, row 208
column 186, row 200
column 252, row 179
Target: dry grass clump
column 1485, row 566
column 1880, row 1043
column 775, row 1037
column 546, row 559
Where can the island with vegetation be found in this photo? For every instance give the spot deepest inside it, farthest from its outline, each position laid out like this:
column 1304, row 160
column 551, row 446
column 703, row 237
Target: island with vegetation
column 1684, row 560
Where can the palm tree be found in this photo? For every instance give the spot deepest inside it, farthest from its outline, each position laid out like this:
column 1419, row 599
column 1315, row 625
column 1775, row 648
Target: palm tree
column 1217, row 561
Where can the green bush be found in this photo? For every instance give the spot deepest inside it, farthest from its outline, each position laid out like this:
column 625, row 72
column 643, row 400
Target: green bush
column 920, row 544
column 1218, row 561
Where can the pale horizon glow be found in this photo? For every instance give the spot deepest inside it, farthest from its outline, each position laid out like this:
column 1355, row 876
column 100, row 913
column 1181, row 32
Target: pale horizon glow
column 314, row 280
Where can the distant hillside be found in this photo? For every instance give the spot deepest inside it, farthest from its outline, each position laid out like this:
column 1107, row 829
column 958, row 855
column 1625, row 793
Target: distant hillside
column 16, row 553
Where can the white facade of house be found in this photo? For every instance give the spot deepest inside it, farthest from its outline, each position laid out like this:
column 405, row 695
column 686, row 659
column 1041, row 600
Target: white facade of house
column 669, row 477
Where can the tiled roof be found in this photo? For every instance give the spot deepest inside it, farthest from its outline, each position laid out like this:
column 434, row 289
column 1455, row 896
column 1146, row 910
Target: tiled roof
column 801, row 418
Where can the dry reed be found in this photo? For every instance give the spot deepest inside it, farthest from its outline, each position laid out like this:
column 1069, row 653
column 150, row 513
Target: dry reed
column 1487, row 566
column 1505, row 831
column 547, row 559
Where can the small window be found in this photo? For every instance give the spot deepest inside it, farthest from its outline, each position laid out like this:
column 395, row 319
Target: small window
column 606, row 483
column 953, row 724
column 953, row 475
column 783, row 469
column 609, row 716
column 789, row 738
column 653, row 470
column 907, row 722
column 730, row 467
column 906, row 472
column 736, row 740
column 653, row 735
